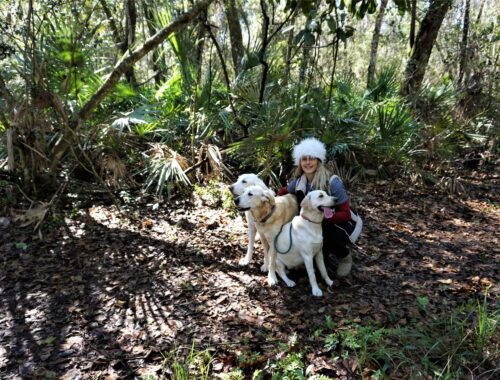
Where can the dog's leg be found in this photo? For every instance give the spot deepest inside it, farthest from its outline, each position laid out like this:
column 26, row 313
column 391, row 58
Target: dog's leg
column 308, row 261
column 320, row 263
column 280, row 267
column 252, row 230
column 265, row 245
column 271, row 274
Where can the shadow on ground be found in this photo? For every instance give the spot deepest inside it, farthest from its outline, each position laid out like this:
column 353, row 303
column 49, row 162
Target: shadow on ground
column 109, row 294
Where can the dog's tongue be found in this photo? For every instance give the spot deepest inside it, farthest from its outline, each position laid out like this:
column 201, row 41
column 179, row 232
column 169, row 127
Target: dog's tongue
column 328, row 212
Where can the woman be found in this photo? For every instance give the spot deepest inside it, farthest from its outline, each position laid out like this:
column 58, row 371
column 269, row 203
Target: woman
column 341, row 227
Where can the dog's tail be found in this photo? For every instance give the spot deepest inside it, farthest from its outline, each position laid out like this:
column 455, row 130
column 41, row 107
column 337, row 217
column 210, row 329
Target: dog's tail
column 357, row 230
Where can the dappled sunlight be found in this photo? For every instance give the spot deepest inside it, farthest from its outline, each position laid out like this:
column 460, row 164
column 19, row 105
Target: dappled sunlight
column 122, row 290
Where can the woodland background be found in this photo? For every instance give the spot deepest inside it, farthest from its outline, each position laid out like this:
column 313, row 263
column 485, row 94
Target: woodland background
column 136, row 106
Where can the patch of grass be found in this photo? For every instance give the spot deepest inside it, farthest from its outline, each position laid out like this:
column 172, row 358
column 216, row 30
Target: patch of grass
column 195, row 365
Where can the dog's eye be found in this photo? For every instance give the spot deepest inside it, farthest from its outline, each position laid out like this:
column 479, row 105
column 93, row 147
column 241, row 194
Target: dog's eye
column 250, row 194
column 244, row 181
column 321, row 196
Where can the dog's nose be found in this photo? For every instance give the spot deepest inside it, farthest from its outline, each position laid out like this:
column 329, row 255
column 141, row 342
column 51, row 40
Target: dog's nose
column 237, row 201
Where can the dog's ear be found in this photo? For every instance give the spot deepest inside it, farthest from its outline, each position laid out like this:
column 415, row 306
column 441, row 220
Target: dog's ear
column 306, row 202
column 269, row 196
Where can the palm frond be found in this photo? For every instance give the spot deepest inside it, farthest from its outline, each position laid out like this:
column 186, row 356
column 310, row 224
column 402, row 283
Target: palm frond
column 385, row 85
column 214, row 157
column 112, row 168
column 166, row 169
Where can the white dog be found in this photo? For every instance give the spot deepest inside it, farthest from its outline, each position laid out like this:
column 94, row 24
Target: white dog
column 269, row 214
column 244, row 181
column 301, row 240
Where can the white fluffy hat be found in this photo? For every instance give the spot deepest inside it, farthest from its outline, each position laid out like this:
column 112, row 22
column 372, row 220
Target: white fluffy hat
column 309, row 147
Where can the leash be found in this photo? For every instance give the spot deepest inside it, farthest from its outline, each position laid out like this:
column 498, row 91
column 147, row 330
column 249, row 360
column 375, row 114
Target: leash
column 291, row 242
column 276, row 238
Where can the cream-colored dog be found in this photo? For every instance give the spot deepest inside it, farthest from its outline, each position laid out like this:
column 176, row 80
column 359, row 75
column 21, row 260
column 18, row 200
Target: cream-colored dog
column 242, row 183
column 301, row 240
column 269, row 214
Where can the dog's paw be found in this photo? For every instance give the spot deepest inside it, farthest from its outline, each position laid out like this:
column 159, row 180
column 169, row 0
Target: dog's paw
column 329, row 282
column 244, row 261
column 290, row 283
column 317, row 292
column 272, row 281
column 263, row 268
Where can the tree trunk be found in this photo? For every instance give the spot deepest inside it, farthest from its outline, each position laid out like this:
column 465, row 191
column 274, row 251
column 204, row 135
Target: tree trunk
column 10, row 150
column 463, row 45
column 200, row 46
column 157, row 65
column 262, row 53
column 372, row 67
column 130, row 28
column 413, row 21
column 123, row 39
column 480, row 13
column 235, row 34
column 421, row 52
column 288, row 58
column 138, row 54
column 112, row 24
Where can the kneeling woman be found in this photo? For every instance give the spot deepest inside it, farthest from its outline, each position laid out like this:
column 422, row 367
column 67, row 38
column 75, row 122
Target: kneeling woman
column 340, row 228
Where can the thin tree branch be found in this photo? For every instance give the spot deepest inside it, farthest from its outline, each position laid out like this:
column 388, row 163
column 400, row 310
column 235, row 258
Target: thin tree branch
column 112, row 23
column 121, row 68
column 226, row 78
column 129, row 59
column 335, row 54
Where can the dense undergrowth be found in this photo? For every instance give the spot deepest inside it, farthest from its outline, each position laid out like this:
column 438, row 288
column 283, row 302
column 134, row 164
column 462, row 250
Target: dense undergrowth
column 367, row 133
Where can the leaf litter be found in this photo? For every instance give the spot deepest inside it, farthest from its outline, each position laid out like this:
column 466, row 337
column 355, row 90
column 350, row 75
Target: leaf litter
column 110, row 294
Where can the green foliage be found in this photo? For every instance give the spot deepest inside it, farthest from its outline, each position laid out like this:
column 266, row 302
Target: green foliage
column 422, row 303
column 165, row 169
column 445, row 346
column 216, row 195
column 196, row 364
column 393, row 132
column 290, row 367
column 54, row 63
column 385, row 84
column 234, row 374
column 376, row 121
column 22, row 246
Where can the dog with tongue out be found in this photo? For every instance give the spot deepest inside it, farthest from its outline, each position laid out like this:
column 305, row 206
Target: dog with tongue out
column 300, row 242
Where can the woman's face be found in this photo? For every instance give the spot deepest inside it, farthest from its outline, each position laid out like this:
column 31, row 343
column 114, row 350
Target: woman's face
column 308, row 164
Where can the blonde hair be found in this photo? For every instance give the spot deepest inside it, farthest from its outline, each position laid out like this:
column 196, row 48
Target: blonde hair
column 321, row 180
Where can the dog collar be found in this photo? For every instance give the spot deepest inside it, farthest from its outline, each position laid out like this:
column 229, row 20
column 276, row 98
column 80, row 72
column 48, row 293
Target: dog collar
column 309, row 220
column 266, row 218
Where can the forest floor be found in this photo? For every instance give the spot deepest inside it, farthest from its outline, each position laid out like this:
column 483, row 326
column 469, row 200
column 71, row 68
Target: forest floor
column 97, row 293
